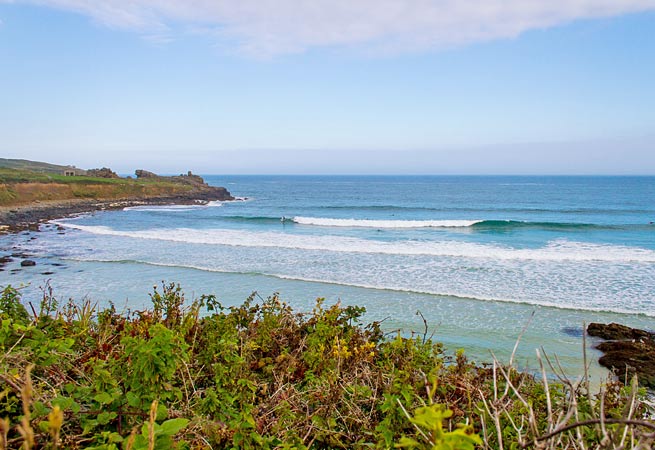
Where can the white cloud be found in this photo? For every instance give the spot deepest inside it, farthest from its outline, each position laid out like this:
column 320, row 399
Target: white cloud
column 271, row 27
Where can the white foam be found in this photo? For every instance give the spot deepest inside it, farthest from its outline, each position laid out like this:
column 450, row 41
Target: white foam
column 365, row 223
column 558, row 250
column 174, row 208
column 456, row 291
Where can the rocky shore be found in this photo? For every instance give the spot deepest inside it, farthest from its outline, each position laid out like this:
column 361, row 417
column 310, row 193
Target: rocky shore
column 626, row 351
column 28, row 216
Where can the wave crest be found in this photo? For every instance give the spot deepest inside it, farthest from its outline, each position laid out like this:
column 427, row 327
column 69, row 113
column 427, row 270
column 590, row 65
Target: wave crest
column 366, row 223
column 174, row 207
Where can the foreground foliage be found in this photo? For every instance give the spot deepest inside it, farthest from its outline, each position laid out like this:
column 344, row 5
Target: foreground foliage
column 262, row 376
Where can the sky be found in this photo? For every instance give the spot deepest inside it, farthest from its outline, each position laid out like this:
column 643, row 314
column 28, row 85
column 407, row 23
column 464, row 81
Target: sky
column 331, row 86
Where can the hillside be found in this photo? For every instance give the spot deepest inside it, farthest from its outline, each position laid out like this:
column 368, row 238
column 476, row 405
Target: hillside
column 20, row 187
column 30, row 196
column 33, row 166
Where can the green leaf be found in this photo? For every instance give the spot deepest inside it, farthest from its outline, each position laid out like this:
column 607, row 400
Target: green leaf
column 431, row 417
column 140, row 442
column 133, row 400
column 63, row 402
column 104, row 398
column 106, row 417
column 173, row 426
column 163, row 443
column 39, row 409
column 162, row 412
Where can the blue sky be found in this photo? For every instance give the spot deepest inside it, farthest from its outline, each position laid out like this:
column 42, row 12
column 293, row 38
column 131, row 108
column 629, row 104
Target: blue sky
column 277, row 87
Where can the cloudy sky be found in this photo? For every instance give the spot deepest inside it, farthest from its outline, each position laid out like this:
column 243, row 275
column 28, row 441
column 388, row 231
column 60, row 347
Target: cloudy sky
column 331, row 86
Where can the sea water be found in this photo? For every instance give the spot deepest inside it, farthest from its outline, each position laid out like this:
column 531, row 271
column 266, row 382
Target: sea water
column 479, row 258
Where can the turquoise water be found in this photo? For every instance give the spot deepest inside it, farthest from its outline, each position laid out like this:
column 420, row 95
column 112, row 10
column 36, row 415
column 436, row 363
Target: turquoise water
column 476, row 255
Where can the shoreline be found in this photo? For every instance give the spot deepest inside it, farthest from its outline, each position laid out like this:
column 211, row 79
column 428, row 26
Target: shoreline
column 14, row 219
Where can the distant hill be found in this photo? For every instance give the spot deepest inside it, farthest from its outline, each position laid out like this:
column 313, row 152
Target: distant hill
column 36, row 166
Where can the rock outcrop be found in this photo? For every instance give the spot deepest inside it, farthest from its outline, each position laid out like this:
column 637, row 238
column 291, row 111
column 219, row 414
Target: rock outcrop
column 104, row 172
column 626, row 351
column 199, row 190
column 188, row 178
column 140, row 173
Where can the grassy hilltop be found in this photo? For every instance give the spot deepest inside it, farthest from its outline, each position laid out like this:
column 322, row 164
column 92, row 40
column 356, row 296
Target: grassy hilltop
column 32, row 166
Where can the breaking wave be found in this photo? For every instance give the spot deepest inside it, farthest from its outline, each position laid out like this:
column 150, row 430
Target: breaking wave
column 556, row 250
column 174, row 208
column 365, row 223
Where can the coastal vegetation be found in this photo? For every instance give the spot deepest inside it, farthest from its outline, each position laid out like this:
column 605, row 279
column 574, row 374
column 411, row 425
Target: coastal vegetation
column 24, row 187
column 33, row 192
column 32, row 166
column 260, row 375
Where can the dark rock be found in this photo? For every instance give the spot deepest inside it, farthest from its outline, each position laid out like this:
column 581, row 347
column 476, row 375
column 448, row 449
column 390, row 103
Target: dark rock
column 5, row 259
column 615, row 331
column 140, row 173
column 27, row 263
column 627, row 351
column 47, row 273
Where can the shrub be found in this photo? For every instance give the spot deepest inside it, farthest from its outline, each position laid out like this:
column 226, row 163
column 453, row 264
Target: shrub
column 260, row 375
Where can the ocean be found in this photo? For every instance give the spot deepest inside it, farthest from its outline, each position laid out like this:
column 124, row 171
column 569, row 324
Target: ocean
column 478, row 257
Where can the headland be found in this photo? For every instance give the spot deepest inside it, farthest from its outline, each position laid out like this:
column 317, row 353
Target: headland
column 31, row 193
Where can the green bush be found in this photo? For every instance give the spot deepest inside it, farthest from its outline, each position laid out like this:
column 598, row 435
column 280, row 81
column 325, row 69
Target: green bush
column 260, row 375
